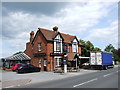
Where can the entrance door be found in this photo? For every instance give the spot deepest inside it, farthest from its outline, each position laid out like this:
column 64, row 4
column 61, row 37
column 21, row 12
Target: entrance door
column 45, row 65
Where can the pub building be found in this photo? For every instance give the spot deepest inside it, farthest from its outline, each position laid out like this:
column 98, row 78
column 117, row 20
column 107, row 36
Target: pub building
column 48, row 48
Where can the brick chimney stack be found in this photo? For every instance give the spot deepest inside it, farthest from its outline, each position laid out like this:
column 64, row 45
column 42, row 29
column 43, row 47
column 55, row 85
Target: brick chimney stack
column 31, row 36
column 55, row 29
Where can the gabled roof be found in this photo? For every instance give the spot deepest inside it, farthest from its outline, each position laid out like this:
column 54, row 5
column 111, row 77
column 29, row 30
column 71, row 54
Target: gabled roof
column 21, row 56
column 49, row 35
column 71, row 56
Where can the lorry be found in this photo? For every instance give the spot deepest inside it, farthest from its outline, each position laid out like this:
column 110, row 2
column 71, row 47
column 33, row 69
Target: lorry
column 101, row 60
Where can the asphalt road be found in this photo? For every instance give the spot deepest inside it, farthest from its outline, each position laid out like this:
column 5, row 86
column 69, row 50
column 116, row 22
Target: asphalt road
column 101, row 79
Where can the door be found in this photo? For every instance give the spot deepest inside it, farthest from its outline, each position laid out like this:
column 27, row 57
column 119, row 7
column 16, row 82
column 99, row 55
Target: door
column 45, row 65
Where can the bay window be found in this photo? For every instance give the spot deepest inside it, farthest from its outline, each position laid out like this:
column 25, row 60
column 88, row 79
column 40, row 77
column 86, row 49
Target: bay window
column 58, row 44
column 75, row 46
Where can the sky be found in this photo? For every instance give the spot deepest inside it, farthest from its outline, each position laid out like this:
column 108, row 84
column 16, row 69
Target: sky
column 96, row 21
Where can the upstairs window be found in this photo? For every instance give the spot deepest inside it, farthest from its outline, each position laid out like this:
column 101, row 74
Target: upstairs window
column 39, row 46
column 58, row 46
column 66, row 47
column 74, row 47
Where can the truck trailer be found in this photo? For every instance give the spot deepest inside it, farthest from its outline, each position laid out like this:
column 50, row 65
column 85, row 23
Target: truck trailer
column 101, row 60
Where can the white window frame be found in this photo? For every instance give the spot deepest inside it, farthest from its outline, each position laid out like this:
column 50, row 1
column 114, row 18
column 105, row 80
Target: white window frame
column 57, row 58
column 75, row 48
column 58, row 39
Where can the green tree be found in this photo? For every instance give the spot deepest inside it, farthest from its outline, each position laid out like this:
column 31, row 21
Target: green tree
column 87, row 48
column 109, row 48
column 96, row 49
column 83, row 48
column 115, row 52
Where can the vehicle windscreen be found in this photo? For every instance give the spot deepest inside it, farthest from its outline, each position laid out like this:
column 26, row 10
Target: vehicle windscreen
column 19, row 65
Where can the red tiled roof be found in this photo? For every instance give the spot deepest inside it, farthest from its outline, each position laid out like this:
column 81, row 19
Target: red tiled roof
column 49, row 35
column 71, row 56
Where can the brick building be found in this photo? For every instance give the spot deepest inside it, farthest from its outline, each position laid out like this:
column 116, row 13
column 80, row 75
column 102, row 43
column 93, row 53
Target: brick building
column 47, row 49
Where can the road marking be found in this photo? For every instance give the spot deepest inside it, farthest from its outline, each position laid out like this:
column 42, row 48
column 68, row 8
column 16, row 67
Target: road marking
column 8, row 87
column 85, row 82
column 108, row 74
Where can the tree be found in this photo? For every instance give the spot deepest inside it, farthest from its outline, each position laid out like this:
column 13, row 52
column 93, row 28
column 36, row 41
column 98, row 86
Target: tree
column 87, row 48
column 17, row 53
column 96, row 49
column 115, row 52
column 83, row 48
column 109, row 48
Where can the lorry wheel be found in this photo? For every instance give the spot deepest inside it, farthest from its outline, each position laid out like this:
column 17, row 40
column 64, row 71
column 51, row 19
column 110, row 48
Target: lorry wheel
column 106, row 67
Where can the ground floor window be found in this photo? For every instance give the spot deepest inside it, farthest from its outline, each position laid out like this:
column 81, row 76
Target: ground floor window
column 58, row 62
column 40, row 63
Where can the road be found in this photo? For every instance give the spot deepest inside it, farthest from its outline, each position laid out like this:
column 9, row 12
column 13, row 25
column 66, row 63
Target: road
column 101, row 79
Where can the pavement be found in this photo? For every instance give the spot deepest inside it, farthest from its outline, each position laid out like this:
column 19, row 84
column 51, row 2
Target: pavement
column 12, row 79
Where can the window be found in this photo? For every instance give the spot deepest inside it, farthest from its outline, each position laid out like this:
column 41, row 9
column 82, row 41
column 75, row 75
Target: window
column 39, row 46
column 58, row 46
column 40, row 63
column 66, row 47
column 58, row 62
column 74, row 47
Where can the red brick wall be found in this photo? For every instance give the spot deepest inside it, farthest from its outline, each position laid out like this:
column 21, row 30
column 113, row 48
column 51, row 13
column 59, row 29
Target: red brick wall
column 35, row 60
column 46, row 47
column 40, row 39
column 28, row 50
column 49, row 58
column 79, row 49
column 70, row 48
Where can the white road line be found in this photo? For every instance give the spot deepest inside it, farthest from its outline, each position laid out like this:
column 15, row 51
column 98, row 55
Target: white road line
column 85, row 82
column 108, row 74
column 8, row 87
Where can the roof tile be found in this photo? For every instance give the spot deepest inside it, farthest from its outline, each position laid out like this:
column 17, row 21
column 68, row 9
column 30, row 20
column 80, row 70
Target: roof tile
column 49, row 35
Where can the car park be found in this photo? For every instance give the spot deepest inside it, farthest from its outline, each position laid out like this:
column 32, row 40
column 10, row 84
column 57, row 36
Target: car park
column 26, row 68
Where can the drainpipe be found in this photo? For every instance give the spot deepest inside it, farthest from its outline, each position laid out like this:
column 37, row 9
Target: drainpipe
column 76, row 62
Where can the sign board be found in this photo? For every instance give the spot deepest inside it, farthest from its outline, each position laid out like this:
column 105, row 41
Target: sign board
column 64, row 62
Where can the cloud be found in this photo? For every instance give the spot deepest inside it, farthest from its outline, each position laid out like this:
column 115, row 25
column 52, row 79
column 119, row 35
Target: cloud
column 108, row 34
column 73, row 18
column 47, row 8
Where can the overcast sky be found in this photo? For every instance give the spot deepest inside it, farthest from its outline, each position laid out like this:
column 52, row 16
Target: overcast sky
column 93, row 21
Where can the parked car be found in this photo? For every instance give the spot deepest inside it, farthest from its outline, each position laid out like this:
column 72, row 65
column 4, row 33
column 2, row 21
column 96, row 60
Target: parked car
column 86, row 65
column 14, row 68
column 26, row 68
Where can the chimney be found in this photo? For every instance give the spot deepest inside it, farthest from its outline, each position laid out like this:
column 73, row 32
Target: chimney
column 55, row 29
column 31, row 36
